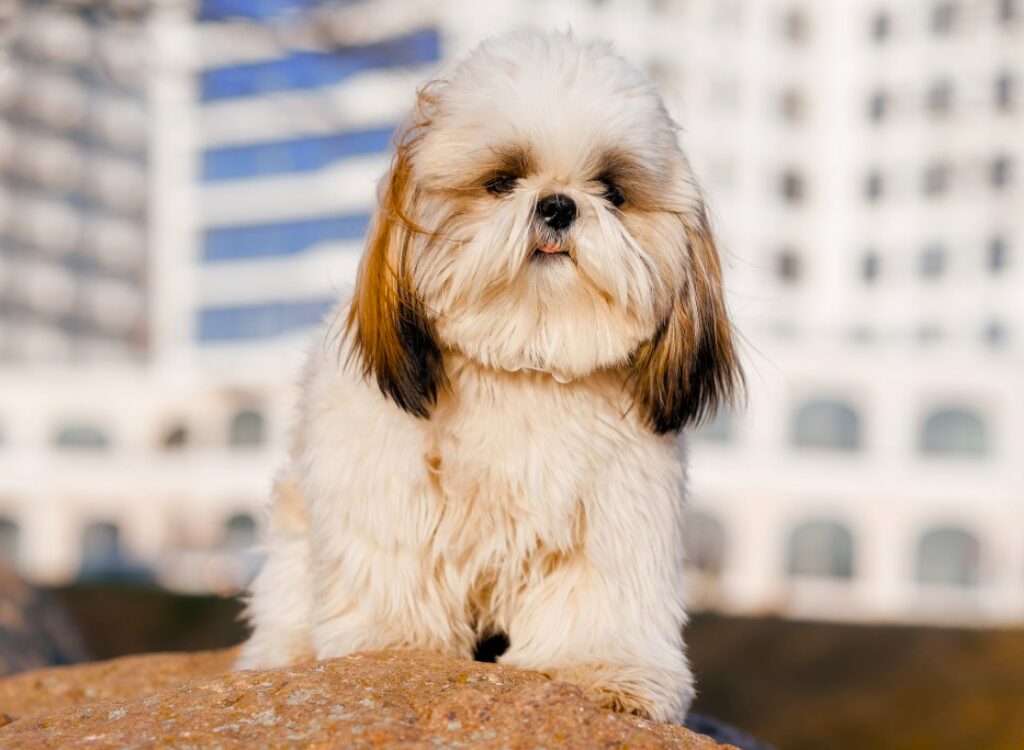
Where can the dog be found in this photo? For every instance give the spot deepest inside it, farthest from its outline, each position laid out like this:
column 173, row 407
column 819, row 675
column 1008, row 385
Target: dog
column 487, row 432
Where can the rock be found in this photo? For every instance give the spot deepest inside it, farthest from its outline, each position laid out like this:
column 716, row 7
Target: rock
column 124, row 679
column 374, row 699
column 34, row 629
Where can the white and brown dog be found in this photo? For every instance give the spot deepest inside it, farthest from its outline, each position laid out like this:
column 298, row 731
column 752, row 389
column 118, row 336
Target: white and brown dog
column 487, row 441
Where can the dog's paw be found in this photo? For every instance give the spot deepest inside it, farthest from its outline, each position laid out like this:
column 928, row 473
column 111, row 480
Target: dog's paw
column 648, row 692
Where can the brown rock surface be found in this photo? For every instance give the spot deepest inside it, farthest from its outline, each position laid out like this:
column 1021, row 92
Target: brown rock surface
column 381, row 699
column 125, row 679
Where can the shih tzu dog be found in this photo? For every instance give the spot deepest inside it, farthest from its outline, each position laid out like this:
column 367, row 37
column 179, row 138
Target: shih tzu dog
column 487, row 441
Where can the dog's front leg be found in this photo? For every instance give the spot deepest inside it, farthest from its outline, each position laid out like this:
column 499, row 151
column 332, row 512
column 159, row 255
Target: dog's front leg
column 375, row 595
column 608, row 617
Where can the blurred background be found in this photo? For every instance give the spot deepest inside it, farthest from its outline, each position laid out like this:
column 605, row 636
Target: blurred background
column 184, row 188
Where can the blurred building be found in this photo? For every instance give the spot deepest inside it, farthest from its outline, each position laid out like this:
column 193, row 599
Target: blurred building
column 73, row 179
column 863, row 165
column 293, row 125
column 878, row 471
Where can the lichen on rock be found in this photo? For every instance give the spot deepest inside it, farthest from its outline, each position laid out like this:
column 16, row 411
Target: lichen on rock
column 375, row 699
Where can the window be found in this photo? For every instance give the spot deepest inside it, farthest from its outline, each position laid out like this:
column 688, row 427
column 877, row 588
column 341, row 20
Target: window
column 792, row 105
column 791, row 186
column 870, row 267
column 175, row 438
column 718, row 430
column 102, row 554
column 294, row 155
column 246, row 429
column 219, row 10
column 1006, row 92
column 943, row 17
column 240, row 532
column 928, row 333
column 1001, row 172
column 998, row 255
column 936, row 179
column 952, row 431
column 820, row 549
column 704, row 542
column 881, row 26
column 10, row 538
column 1009, row 10
column 862, row 334
column 874, row 186
column 878, row 106
column 995, row 334
column 81, row 437
column 833, row 425
column 932, row 263
column 948, row 556
column 796, row 26
column 788, row 267
column 940, row 97
column 308, row 70
column 268, row 320
column 281, row 238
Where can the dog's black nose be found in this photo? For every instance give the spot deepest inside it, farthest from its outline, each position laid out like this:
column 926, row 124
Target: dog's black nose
column 558, row 211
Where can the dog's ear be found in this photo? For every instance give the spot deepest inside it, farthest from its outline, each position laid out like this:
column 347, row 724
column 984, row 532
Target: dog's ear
column 689, row 368
column 393, row 339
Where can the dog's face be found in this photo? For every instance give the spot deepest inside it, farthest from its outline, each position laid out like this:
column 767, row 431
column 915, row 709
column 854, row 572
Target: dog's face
column 540, row 215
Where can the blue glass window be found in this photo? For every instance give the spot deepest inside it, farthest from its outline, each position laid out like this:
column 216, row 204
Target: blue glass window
column 261, row 321
column 216, row 10
column 281, row 238
column 294, row 155
column 310, row 70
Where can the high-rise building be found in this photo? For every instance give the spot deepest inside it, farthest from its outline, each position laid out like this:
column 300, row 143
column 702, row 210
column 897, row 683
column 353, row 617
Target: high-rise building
column 863, row 166
column 73, row 185
column 291, row 119
column 876, row 471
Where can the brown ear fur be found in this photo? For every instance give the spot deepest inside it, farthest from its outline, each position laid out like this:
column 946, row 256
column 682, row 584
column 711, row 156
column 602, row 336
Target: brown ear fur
column 689, row 368
column 392, row 337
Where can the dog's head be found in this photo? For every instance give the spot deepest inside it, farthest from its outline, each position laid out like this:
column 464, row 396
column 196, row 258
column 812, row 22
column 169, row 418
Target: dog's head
column 540, row 215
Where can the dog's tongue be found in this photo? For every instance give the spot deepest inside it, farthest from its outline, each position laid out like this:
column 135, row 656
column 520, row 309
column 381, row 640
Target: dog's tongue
column 550, row 247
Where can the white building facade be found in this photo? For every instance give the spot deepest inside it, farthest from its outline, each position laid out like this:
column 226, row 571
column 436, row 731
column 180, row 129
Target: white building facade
column 863, row 164
column 73, row 176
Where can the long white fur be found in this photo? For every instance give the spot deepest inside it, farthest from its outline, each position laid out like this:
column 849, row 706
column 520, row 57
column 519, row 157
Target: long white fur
column 535, row 500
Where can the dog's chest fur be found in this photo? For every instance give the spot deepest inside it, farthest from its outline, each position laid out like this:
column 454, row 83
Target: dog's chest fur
column 512, row 458
column 495, row 487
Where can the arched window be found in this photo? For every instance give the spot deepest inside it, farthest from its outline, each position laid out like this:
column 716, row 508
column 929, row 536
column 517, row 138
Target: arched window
column 81, row 437
column 101, row 550
column 704, row 542
column 826, row 424
column 240, row 532
column 820, row 548
column 175, row 438
column 953, row 432
column 246, row 429
column 10, row 536
column 948, row 556
column 718, row 430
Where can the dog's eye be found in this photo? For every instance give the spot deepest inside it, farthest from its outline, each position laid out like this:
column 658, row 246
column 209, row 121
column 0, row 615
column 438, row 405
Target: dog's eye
column 501, row 183
column 612, row 193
